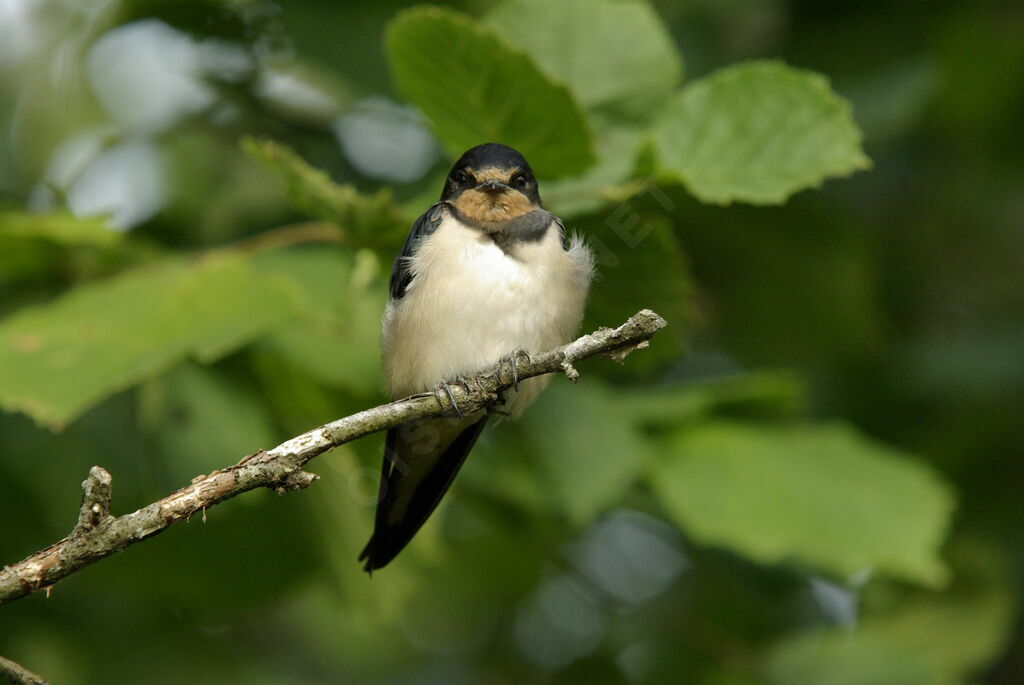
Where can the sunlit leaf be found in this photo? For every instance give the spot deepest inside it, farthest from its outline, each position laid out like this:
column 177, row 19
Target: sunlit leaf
column 758, row 132
column 824, row 496
column 478, row 89
column 611, row 54
column 58, row 359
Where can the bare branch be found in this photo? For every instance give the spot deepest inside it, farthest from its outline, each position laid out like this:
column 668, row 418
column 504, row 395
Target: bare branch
column 18, row 674
column 98, row 534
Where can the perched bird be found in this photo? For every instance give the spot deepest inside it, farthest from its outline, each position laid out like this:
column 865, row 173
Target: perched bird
column 486, row 275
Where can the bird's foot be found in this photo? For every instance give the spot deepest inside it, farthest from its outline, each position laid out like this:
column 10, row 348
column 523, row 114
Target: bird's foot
column 447, row 390
column 513, row 361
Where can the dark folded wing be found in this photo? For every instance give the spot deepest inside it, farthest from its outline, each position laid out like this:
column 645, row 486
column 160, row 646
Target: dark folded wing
column 401, row 274
column 562, row 233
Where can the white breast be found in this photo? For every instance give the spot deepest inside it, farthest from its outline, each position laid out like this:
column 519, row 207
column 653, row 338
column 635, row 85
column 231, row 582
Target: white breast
column 470, row 304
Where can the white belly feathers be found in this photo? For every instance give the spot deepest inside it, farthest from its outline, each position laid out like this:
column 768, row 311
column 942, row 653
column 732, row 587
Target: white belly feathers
column 470, row 304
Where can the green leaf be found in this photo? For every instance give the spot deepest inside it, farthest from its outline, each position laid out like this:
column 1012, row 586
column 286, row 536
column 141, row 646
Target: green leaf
column 758, row 132
column 612, row 54
column 924, row 637
column 365, row 220
column 589, row 453
column 31, row 242
column 823, row 495
column 601, row 184
column 59, row 228
column 475, row 88
column 851, row 659
column 60, row 358
column 963, row 628
column 337, row 341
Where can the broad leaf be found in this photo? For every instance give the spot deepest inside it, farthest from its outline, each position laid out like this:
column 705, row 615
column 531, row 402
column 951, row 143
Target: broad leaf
column 757, row 132
column 823, row 495
column 60, row 358
column 476, row 89
column 611, row 54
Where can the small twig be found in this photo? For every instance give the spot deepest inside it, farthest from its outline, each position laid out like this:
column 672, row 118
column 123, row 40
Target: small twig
column 96, row 495
column 18, row 674
column 98, row 535
column 292, row 234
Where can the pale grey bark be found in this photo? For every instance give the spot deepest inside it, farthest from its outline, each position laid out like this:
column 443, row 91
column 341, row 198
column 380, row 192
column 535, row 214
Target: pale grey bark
column 98, row 534
column 18, row 674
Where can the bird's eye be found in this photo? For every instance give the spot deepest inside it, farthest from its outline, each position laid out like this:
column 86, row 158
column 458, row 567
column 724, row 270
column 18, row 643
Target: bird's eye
column 519, row 181
column 460, row 177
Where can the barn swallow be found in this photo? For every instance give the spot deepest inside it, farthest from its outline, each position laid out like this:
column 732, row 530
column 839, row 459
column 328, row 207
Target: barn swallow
column 485, row 275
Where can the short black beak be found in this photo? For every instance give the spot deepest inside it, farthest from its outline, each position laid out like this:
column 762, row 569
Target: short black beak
column 493, row 187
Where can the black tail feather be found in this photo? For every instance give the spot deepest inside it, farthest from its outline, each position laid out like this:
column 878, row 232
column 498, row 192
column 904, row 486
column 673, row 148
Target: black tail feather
column 389, row 539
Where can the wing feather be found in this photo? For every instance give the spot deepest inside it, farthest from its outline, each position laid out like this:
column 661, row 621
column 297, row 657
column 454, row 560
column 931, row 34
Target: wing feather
column 401, row 272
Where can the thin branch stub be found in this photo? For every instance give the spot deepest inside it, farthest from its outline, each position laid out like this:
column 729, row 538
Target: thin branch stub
column 96, row 494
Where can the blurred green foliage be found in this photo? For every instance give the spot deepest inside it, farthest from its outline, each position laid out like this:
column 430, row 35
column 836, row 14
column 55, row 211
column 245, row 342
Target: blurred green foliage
column 200, row 202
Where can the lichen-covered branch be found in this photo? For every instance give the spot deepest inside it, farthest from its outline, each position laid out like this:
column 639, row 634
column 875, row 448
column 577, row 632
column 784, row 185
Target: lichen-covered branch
column 98, row 534
column 18, row 674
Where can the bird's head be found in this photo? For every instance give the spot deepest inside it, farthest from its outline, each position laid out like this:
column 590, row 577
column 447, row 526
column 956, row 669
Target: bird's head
column 491, row 183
